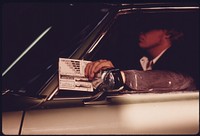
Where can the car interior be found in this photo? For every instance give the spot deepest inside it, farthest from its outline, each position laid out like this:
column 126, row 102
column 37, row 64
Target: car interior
column 120, row 43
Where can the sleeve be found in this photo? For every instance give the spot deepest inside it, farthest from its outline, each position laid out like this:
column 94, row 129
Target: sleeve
column 157, row 80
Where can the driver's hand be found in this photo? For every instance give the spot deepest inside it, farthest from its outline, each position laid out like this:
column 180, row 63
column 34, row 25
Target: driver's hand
column 93, row 68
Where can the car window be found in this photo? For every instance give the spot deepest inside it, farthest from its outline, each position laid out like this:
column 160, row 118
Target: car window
column 68, row 24
column 121, row 42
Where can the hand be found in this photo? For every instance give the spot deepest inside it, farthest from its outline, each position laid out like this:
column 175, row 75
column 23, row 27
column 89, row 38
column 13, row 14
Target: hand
column 93, row 68
column 109, row 79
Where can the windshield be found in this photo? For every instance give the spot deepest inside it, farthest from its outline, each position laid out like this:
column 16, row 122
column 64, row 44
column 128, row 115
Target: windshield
column 35, row 35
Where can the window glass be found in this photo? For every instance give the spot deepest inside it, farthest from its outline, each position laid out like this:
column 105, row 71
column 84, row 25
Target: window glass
column 23, row 23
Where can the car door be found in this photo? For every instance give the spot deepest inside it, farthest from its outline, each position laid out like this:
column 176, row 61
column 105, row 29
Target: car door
column 69, row 112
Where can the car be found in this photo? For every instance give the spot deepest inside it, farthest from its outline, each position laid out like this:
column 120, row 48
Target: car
column 36, row 35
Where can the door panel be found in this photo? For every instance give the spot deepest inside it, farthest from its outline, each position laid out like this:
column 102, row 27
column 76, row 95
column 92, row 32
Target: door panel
column 139, row 114
column 11, row 122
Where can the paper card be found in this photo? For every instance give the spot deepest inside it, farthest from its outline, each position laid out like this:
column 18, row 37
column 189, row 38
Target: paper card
column 72, row 75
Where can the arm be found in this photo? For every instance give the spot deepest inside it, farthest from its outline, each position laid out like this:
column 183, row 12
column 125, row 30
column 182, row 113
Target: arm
column 137, row 80
column 155, row 80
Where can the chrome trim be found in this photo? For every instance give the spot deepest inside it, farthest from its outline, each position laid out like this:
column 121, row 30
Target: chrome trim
column 98, row 39
column 159, row 8
column 54, row 92
column 78, row 50
column 72, row 98
column 126, row 10
column 96, row 42
column 26, row 50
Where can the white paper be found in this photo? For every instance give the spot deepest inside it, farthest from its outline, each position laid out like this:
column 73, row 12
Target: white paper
column 72, row 75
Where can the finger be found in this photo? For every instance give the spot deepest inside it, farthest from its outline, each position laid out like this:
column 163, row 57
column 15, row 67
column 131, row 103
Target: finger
column 93, row 68
column 87, row 69
column 103, row 65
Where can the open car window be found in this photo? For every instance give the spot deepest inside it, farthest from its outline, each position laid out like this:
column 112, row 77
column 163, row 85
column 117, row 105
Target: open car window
column 120, row 44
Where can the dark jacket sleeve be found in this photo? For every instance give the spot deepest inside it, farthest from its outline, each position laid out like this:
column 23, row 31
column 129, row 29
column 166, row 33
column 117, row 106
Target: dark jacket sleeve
column 181, row 60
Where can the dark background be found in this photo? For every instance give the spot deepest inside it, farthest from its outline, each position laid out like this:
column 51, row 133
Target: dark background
column 23, row 22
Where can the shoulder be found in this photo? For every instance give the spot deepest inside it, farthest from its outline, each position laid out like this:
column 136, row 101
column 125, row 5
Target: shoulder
column 173, row 58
